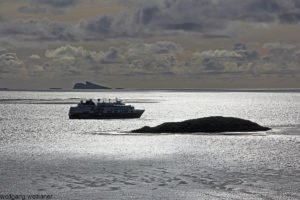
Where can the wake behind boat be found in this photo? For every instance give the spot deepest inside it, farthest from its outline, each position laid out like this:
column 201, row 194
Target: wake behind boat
column 104, row 110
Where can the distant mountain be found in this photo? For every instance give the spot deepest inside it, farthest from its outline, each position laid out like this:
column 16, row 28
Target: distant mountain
column 88, row 86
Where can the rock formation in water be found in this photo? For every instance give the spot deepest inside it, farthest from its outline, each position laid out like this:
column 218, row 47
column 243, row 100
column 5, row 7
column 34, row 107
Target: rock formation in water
column 89, row 86
column 205, row 125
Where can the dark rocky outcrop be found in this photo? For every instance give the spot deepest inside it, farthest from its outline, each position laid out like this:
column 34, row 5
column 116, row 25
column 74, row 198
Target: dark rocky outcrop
column 205, row 125
column 89, row 86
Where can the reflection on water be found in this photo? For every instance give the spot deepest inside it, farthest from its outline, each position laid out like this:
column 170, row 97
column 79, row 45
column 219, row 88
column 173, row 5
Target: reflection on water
column 41, row 148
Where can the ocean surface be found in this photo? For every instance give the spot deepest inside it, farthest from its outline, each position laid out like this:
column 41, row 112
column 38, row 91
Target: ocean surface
column 43, row 152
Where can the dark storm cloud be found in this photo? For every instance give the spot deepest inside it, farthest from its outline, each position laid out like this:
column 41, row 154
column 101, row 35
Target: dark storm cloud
column 101, row 25
column 259, row 17
column 202, row 16
column 212, row 65
column 271, row 6
column 38, row 30
column 133, row 22
column 56, row 3
column 152, row 20
column 43, row 6
column 207, row 17
column 187, row 26
column 290, row 18
column 147, row 14
column 187, row 15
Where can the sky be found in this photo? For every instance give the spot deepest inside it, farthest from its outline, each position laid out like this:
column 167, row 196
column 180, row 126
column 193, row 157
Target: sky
column 150, row 43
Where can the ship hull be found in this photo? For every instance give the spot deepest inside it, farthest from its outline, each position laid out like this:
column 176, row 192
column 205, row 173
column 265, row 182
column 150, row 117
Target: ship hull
column 136, row 114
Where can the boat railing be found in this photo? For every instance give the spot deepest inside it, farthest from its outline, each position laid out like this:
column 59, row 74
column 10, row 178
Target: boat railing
column 102, row 102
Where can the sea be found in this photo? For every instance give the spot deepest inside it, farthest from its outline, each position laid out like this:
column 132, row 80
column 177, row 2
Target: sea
column 43, row 152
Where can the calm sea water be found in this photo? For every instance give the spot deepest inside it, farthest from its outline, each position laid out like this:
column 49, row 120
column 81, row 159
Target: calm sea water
column 42, row 151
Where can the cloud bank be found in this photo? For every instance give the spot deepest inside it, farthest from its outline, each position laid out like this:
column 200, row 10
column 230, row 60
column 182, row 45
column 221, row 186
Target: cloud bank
column 162, row 58
column 192, row 39
column 206, row 17
column 47, row 6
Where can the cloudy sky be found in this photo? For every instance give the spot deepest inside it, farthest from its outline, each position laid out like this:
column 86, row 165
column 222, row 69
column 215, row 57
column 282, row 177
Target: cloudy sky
column 150, row 43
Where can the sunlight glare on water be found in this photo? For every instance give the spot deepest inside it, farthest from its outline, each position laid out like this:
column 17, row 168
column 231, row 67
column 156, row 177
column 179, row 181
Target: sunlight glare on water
column 37, row 137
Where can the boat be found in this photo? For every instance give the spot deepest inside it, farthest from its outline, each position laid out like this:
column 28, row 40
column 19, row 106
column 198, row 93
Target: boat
column 104, row 110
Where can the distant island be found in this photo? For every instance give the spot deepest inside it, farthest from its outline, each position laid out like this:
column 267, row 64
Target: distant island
column 89, row 86
column 216, row 124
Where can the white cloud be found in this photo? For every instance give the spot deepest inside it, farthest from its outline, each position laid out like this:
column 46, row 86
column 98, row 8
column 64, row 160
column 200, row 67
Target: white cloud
column 155, row 59
column 160, row 47
column 282, row 46
column 10, row 64
column 147, row 58
column 219, row 54
column 35, row 56
column 73, row 52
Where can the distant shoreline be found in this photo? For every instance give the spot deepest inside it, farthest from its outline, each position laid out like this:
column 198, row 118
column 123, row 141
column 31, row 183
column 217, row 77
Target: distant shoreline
column 296, row 90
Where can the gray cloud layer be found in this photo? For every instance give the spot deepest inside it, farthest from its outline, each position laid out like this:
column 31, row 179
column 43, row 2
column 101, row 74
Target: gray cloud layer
column 136, row 58
column 156, row 59
column 55, row 3
column 11, row 64
column 203, row 16
column 36, row 30
column 159, row 17
column 44, row 6
column 195, row 18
